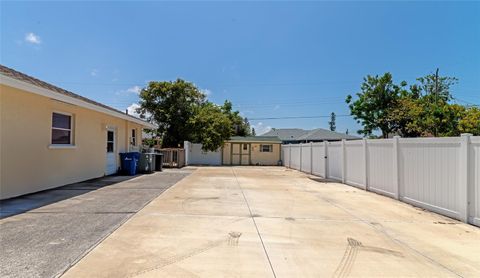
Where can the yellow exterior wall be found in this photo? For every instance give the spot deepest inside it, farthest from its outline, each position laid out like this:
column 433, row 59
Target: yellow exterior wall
column 265, row 158
column 257, row 157
column 27, row 164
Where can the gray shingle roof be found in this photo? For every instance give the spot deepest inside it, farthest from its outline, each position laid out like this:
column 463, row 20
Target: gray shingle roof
column 286, row 134
column 325, row 134
column 255, row 139
column 6, row 71
column 318, row 134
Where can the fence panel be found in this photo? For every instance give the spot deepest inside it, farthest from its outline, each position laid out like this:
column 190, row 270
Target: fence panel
column 194, row 155
column 381, row 166
column 429, row 173
column 474, row 191
column 335, row 160
column 438, row 174
column 295, row 157
column 318, row 159
column 355, row 163
column 306, row 158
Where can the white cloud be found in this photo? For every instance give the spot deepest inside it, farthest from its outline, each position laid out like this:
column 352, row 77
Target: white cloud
column 132, row 109
column 94, row 72
column 134, row 89
column 32, row 38
column 260, row 128
column 207, row 92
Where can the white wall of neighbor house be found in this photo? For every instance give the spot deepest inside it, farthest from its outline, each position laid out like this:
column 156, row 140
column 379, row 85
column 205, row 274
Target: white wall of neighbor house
column 30, row 163
column 438, row 174
column 194, row 155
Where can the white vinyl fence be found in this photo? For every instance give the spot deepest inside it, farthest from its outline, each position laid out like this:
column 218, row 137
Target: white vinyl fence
column 194, row 155
column 438, row 174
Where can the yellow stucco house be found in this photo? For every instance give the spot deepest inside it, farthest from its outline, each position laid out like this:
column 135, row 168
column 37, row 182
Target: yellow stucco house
column 50, row 137
column 252, row 150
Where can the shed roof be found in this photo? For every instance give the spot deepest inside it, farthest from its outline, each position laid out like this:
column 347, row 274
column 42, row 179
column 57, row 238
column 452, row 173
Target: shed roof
column 11, row 73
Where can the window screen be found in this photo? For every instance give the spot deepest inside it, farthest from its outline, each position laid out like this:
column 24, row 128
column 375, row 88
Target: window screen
column 266, row 148
column 61, row 129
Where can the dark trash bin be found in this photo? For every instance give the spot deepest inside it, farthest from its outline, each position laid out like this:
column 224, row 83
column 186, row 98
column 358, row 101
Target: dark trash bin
column 158, row 162
column 146, row 163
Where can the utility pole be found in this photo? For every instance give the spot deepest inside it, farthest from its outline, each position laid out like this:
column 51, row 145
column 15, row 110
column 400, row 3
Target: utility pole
column 436, row 100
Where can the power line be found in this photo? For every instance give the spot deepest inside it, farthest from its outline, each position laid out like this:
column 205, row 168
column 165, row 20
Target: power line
column 295, row 117
column 466, row 102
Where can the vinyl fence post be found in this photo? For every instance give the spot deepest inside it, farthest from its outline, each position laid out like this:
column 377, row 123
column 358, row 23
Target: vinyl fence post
column 311, row 158
column 365, row 161
column 464, row 177
column 396, row 169
column 325, row 152
column 344, row 162
column 186, row 146
column 300, row 162
column 289, row 155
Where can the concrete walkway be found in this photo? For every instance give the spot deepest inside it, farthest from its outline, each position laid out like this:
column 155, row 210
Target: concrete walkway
column 43, row 234
column 274, row 222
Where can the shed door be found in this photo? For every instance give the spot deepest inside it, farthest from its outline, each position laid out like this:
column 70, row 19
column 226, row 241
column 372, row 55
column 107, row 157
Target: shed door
column 111, row 167
column 240, row 154
column 245, row 154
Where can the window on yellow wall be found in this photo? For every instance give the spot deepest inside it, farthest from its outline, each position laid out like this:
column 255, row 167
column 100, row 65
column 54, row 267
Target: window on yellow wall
column 134, row 137
column 266, row 148
column 61, row 129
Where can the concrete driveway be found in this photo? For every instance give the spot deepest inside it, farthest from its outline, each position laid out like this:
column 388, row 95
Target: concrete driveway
column 43, row 234
column 274, row 222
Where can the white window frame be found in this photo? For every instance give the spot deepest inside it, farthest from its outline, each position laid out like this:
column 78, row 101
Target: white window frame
column 133, row 140
column 72, row 131
column 114, row 141
column 270, row 148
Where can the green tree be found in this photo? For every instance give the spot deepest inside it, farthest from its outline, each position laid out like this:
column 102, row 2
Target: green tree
column 440, row 117
column 331, row 123
column 171, row 105
column 212, row 126
column 181, row 111
column 377, row 97
column 240, row 126
column 470, row 121
column 406, row 115
column 253, row 133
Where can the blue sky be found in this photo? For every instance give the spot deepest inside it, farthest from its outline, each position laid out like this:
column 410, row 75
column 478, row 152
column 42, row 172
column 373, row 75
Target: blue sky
column 271, row 59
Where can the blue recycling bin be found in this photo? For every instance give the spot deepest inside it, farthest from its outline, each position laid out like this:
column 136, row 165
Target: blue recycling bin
column 130, row 166
column 133, row 158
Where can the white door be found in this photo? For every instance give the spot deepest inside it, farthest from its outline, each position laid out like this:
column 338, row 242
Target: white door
column 111, row 167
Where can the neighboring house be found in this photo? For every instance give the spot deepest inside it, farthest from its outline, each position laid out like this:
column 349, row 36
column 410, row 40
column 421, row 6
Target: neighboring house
column 296, row 135
column 252, row 150
column 51, row 137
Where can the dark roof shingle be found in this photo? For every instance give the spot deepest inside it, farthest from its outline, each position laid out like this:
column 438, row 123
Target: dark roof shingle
column 318, row 134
